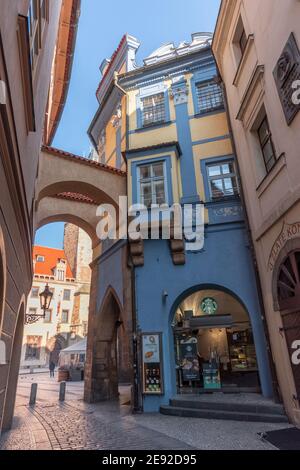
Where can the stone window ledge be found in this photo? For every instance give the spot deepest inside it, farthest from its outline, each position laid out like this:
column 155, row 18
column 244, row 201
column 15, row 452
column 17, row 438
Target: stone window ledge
column 269, row 178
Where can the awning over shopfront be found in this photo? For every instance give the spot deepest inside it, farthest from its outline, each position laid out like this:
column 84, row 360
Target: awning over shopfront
column 211, row 321
column 77, row 348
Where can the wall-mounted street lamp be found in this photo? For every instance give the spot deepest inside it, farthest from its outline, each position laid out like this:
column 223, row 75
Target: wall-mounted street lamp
column 45, row 301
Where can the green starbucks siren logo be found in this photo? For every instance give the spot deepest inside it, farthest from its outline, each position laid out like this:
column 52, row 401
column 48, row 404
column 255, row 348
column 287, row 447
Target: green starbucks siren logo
column 209, row 306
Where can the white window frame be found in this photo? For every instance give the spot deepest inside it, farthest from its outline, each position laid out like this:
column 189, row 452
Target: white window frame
column 37, row 23
column 153, row 121
column 68, row 314
column 60, row 275
column 51, row 313
column 152, row 179
column 69, row 291
column 38, row 291
column 222, row 177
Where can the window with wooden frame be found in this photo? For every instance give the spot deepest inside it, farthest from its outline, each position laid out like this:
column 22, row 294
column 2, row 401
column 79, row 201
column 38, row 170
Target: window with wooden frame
column 240, row 41
column 38, row 17
column 266, row 144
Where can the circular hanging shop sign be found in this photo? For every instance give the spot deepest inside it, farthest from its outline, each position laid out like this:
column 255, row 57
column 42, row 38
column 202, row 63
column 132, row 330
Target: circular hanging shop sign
column 209, row 306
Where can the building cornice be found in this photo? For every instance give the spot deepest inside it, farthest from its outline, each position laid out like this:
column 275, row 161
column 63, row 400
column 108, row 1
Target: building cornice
column 223, row 24
column 175, row 65
column 65, row 47
column 165, row 145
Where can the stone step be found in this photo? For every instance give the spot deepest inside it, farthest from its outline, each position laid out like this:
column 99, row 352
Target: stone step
column 201, row 404
column 221, row 414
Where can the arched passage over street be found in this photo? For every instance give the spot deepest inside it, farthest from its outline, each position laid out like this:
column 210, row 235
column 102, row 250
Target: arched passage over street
column 69, row 188
column 61, row 172
column 61, row 210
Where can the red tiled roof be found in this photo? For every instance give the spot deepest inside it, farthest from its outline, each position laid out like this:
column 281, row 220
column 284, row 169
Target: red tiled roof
column 112, row 59
column 51, row 255
column 77, row 197
column 83, row 160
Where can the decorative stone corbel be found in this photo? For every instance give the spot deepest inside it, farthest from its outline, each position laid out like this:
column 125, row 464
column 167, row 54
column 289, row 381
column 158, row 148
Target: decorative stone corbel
column 136, row 248
column 179, row 92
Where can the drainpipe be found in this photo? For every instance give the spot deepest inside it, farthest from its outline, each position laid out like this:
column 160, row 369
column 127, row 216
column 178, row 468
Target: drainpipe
column 275, row 383
column 137, row 392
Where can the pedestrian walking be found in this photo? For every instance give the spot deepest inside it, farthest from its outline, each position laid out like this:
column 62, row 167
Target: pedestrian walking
column 52, row 368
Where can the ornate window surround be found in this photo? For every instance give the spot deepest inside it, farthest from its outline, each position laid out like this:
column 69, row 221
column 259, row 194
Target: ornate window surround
column 145, row 93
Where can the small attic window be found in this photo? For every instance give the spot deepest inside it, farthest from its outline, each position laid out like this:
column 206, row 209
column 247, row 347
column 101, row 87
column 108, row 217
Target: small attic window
column 40, row 258
column 62, row 261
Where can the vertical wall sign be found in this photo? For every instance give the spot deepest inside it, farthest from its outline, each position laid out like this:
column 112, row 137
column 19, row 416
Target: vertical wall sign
column 286, row 74
column 152, row 364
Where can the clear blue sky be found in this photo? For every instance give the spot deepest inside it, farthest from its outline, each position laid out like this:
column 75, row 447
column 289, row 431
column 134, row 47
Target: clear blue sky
column 101, row 26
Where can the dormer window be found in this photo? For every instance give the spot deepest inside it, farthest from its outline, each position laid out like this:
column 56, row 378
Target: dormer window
column 40, row 259
column 60, row 274
column 60, row 271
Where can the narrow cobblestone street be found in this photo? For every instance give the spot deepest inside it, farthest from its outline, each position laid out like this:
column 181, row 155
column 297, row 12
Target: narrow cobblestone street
column 75, row 425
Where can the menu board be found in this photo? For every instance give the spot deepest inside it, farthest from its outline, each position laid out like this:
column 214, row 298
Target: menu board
column 189, row 359
column 211, row 376
column 152, row 364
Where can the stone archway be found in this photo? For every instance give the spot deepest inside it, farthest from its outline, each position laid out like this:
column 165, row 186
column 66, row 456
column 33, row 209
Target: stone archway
column 262, row 364
column 101, row 378
column 10, row 396
column 61, row 173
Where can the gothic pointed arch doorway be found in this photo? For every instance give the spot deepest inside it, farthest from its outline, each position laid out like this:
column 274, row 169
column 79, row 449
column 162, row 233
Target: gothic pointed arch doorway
column 103, row 349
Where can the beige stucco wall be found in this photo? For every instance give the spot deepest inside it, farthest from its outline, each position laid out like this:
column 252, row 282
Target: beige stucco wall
column 48, row 330
column 274, row 198
column 19, row 152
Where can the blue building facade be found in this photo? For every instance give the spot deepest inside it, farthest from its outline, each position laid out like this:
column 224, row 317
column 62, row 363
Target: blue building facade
column 195, row 309
column 179, row 151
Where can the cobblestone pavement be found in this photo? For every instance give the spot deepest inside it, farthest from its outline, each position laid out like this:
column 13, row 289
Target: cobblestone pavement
column 75, row 425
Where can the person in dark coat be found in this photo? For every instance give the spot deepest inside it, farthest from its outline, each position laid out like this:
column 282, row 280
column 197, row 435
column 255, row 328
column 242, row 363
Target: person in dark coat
column 52, row 368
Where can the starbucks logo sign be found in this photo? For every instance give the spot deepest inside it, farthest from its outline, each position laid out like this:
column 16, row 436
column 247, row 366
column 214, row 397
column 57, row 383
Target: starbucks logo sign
column 209, row 306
